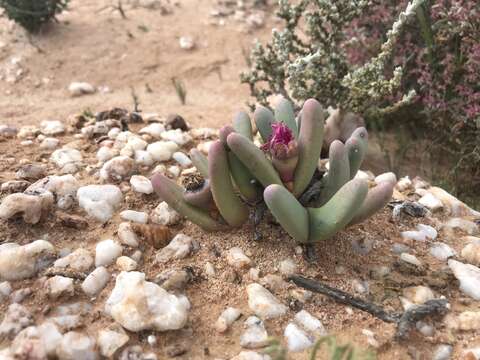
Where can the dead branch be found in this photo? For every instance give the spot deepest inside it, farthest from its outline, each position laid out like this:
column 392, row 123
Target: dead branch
column 404, row 321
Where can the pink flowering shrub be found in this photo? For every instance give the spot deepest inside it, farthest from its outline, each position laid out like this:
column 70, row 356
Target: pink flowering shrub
column 440, row 53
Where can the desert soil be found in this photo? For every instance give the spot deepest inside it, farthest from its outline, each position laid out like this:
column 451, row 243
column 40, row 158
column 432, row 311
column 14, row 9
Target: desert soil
column 93, row 43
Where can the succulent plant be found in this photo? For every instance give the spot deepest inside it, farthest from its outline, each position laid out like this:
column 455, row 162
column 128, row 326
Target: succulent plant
column 284, row 167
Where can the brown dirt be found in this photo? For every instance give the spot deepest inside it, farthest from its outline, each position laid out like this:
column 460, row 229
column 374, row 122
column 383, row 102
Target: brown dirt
column 104, row 49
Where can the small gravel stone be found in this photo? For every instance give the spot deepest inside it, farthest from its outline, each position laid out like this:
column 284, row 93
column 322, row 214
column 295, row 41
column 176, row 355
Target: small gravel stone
column 442, row 251
column 79, row 260
column 297, row 339
column 182, row 159
column 469, row 277
column 106, row 252
column 163, row 214
column 60, row 286
column 141, row 184
column 96, row 281
column 255, row 335
column 126, row 235
column 138, row 305
column 226, row 319
column 75, row 345
column 134, row 216
column 237, row 258
column 442, row 352
column 124, row 263
column 263, row 303
column 180, row 247
column 111, row 339
column 287, row 267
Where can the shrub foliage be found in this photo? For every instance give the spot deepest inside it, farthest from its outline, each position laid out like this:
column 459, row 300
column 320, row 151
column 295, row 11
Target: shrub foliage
column 32, row 14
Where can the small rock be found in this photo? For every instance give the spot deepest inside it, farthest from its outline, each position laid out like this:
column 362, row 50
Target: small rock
column 100, row 201
column 297, row 339
column 410, row 259
column 124, row 263
column 106, row 252
column 67, row 160
column 287, row 267
column 173, row 279
column 301, row 295
column 310, row 323
column 141, row 305
column 5, row 290
column 359, row 286
column 110, row 340
column 75, row 345
column 80, row 260
column 173, row 171
column 273, row 282
column 95, row 281
column 205, row 146
column 462, row 224
column 106, row 153
column 134, row 216
column 117, row 169
column 399, row 248
column 80, row 88
column 7, row 131
column 58, row 286
column 14, row 186
column 442, row 352
column 226, row 319
column 177, row 136
column 31, row 172
column 22, row 262
column 28, row 132
column 441, row 251
column 209, row 269
column 454, row 206
column 237, row 258
column 186, row 43
column 126, row 235
column 469, row 277
column 418, row 294
column 52, row 127
column 180, row 247
column 175, row 121
column 143, row 158
column 255, row 335
column 263, row 303
column 37, row 342
column 431, row 202
column 162, row 150
column 425, row 329
column 141, row 184
column 165, row 215
column 49, row 143
column 20, row 295
column 422, row 233
column 16, row 318
column 64, row 189
column 471, row 253
column 182, row 159
column 30, row 207
column 404, row 184
column 155, row 130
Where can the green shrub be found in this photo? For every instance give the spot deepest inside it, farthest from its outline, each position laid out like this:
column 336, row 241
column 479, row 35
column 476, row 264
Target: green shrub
column 32, row 14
